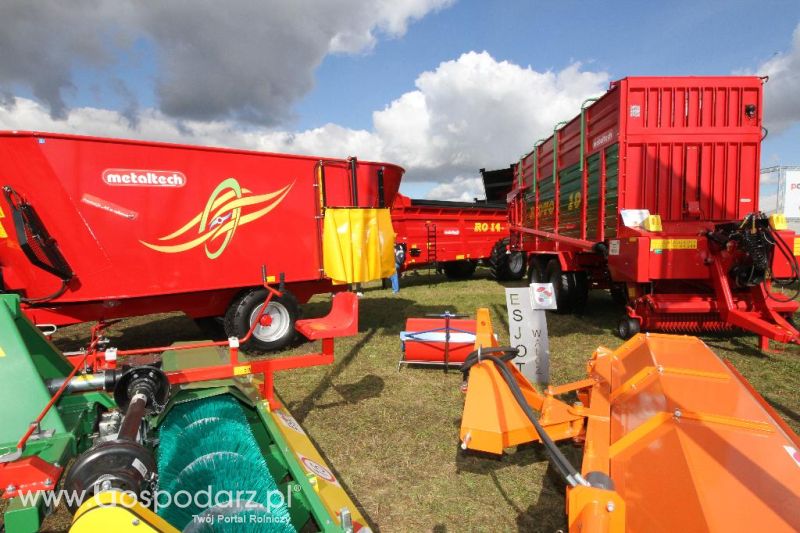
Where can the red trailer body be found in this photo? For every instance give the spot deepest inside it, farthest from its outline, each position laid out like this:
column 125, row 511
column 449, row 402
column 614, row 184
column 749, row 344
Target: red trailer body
column 686, row 150
column 153, row 227
column 452, row 236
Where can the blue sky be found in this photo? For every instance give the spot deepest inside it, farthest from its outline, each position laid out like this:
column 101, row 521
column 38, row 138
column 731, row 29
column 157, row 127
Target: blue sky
column 633, row 38
column 330, row 80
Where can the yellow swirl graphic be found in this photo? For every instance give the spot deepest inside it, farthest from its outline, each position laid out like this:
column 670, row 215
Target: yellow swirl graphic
column 225, row 211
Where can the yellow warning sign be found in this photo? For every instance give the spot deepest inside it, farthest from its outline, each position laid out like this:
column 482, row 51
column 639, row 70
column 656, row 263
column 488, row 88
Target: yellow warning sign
column 2, row 215
column 673, row 244
column 797, row 246
column 242, row 370
column 3, row 234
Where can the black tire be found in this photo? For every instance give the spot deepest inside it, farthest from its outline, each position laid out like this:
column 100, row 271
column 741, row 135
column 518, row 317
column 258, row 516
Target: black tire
column 628, row 327
column 536, row 271
column 580, row 294
column 283, row 311
column 563, row 285
column 619, row 293
column 459, row 269
column 212, row 327
column 505, row 266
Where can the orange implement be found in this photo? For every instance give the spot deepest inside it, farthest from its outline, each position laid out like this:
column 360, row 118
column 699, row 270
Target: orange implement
column 686, row 442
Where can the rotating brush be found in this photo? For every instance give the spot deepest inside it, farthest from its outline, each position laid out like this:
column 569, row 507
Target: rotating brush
column 209, row 458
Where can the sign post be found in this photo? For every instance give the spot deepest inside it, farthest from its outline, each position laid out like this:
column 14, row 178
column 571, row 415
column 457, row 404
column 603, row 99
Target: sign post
column 527, row 329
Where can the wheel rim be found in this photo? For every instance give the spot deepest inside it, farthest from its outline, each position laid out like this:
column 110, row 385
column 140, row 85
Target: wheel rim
column 281, row 321
column 516, row 262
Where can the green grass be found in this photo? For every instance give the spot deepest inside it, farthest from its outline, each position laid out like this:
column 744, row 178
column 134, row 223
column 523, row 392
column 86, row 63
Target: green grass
column 392, row 435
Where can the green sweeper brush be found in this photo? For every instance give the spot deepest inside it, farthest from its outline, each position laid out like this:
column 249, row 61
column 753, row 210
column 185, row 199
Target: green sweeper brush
column 210, row 465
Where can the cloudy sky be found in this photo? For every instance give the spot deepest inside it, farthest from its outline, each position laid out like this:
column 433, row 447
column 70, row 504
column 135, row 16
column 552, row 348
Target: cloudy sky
column 442, row 87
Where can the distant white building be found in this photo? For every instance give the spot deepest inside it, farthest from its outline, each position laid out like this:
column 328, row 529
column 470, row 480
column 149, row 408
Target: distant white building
column 780, row 193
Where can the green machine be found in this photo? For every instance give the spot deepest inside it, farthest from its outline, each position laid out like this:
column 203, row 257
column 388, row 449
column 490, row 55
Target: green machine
column 194, row 439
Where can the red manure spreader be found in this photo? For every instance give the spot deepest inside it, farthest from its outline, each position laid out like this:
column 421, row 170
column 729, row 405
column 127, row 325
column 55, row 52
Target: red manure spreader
column 455, row 236
column 98, row 229
column 652, row 192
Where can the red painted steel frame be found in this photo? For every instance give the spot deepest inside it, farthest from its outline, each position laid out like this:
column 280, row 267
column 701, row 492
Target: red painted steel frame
column 154, row 247
column 99, row 360
column 28, row 475
column 235, row 368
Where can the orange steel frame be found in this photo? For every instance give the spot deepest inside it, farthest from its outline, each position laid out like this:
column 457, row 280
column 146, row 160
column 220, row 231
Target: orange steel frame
column 588, row 508
column 493, row 420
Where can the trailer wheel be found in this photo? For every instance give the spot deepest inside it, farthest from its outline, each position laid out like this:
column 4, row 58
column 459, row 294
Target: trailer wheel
column 506, row 266
column 536, row 271
column 563, row 285
column 581, row 293
column 516, row 265
column 282, row 312
column 619, row 293
column 459, row 269
column 628, row 327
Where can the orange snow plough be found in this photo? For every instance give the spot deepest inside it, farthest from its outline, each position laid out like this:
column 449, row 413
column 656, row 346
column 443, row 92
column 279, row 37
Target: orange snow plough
column 674, row 438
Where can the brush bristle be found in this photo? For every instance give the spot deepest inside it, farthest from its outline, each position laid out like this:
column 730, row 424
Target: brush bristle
column 207, row 447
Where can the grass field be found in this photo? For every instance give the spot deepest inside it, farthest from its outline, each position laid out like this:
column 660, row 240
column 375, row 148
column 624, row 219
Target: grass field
column 392, row 435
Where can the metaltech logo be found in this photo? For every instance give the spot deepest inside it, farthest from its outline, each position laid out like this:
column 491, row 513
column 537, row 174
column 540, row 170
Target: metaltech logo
column 143, row 178
column 228, row 207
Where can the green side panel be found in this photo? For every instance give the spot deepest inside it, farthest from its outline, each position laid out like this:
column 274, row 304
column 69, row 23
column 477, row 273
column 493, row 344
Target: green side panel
column 26, row 360
column 299, row 511
column 20, row 518
column 546, row 205
column 569, row 205
column 593, row 197
column 612, row 190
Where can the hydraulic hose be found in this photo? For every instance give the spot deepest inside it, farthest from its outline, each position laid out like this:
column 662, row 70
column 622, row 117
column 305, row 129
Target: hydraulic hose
column 788, row 254
column 61, row 290
column 557, row 458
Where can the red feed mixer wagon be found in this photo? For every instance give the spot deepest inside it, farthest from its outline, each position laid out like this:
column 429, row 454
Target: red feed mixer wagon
column 98, row 229
column 454, row 236
column 652, row 192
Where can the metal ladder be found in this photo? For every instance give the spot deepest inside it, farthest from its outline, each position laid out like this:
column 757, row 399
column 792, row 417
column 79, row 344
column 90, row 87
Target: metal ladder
column 431, row 246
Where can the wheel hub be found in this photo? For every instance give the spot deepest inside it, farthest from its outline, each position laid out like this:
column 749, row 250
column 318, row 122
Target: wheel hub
column 273, row 324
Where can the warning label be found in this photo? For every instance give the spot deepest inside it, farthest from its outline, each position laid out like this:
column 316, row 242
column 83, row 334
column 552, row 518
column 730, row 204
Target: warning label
column 317, row 469
column 672, row 244
column 288, row 421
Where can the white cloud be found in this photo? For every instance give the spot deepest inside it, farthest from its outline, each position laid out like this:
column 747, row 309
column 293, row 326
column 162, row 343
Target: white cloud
column 475, row 112
column 239, row 59
column 469, row 113
column 781, row 94
column 460, row 189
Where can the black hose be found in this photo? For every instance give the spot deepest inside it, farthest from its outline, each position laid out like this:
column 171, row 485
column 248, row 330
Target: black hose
column 53, row 296
column 562, row 464
column 470, row 360
column 788, row 254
